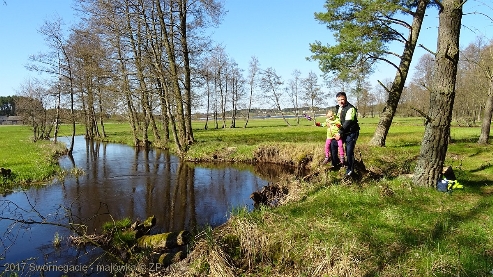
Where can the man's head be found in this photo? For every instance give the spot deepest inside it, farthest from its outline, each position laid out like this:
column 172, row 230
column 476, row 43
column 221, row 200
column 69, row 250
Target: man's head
column 341, row 98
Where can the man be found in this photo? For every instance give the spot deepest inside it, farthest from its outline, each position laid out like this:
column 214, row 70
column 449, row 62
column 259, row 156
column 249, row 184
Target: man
column 349, row 131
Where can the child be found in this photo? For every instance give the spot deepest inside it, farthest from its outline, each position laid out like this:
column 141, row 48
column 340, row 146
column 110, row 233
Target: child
column 333, row 125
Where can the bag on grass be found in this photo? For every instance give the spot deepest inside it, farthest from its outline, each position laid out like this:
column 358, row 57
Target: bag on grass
column 448, row 182
column 445, row 185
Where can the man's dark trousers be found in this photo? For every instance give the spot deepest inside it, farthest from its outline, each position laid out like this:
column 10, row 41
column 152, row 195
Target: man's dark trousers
column 350, row 144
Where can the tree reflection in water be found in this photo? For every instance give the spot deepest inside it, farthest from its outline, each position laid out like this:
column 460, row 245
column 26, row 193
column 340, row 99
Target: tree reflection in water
column 121, row 181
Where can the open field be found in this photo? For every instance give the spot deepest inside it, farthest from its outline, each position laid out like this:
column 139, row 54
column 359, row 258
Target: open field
column 376, row 227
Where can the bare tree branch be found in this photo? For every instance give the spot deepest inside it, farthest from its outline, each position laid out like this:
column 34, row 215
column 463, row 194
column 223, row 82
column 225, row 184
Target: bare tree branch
column 425, row 48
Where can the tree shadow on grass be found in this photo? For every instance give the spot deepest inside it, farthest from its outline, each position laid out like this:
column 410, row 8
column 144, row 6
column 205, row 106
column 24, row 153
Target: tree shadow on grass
column 408, row 239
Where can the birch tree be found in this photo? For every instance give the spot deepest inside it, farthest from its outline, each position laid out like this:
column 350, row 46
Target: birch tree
column 271, row 84
column 312, row 93
column 253, row 72
column 58, row 63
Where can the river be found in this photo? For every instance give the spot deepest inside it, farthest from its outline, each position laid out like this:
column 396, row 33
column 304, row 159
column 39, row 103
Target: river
column 118, row 181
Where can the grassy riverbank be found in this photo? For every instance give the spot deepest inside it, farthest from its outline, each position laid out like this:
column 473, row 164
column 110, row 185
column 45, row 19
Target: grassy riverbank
column 29, row 162
column 373, row 227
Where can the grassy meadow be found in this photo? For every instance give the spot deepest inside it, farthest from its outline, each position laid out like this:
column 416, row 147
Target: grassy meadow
column 381, row 227
column 30, row 163
column 375, row 227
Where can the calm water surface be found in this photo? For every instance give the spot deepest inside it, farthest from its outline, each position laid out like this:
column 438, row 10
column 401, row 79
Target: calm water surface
column 119, row 181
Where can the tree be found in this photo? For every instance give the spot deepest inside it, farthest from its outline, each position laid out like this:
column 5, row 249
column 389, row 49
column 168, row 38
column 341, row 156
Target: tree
column 439, row 117
column 59, row 64
column 481, row 58
column 380, row 96
column 397, row 86
column 91, row 72
column 420, row 85
column 471, row 88
column 271, row 84
column 237, row 83
column 216, row 76
column 32, row 100
column 178, row 20
column 7, row 106
column 363, row 29
column 158, row 46
column 366, row 103
column 207, row 74
column 294, row 92
column 361, row 86
column 253, row 70
column 414, row 100
column 312, row 93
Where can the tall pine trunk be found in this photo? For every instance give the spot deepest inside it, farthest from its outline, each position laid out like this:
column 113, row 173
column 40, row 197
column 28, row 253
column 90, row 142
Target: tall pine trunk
column 395, row 91
column 437, row 127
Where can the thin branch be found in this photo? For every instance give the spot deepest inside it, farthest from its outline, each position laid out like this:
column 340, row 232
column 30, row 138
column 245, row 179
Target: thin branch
column 387, row 21
column 474, row 14
column 427, row 118
column 393, row 54
column 385, row 60
column 31, row 221
column 424, row 47
column 384, row 86
column 461, row 4
column 398, row 22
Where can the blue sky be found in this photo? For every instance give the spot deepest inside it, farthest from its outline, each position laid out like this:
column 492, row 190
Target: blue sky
column 19, row 24
column 277, row 32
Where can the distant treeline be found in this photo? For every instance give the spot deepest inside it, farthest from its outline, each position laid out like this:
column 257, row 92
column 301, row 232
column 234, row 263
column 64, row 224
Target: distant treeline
column 7, row 105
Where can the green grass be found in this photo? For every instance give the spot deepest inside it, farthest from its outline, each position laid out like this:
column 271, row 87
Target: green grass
column 32, row 162
column 361, row 231
column 121, row 224
column 29, row 162
column 384, row 227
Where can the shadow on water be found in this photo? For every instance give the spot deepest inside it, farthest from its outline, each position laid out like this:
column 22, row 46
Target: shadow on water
column 121, row 181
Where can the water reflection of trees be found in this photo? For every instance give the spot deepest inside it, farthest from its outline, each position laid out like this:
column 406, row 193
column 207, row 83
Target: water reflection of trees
column 123, row 181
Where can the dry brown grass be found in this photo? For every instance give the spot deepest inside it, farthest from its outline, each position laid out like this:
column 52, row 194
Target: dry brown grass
column 220, row 265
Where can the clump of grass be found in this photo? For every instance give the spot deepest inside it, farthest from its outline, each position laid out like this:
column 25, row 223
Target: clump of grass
column 219, row 263
column 123, row 238
column 119, row 232
column 57, row 240
column 121, row 224
column 77, row 171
